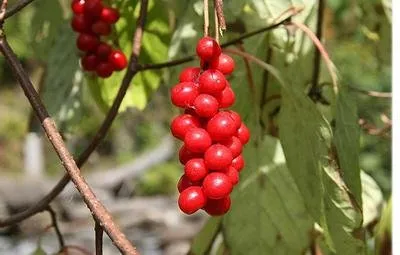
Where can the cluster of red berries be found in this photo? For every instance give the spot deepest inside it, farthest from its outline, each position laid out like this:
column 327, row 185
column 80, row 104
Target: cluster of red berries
column 213, row 137
column 92, row 20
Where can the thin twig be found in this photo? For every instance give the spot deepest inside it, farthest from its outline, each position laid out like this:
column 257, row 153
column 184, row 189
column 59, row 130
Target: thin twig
column 206, row 17
column 216, row 25
column 54, row 223
column 372, row 93
column 3, row 9
column 17, row 7
column 249, row 74
column 98, row 238
column 219, row 9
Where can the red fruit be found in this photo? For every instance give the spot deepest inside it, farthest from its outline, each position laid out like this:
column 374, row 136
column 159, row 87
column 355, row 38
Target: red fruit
column 243, row 133
column 87, row 42
column 226, row 98
column 101, row 28
column 109, row 15
column 205, row 105
column 189, row 74
column 197, row 140
column 93, row 8
column 218, row 157
column 191, row 200
column 104, row 69
column 224, row 63
column 217, row 185
column 103, row 51
column 212, row 82
column 195, row 169
column 185, row 155
column 238, row 163
column 221, row 126
column 217, row 207
column 77, row 6
column 89, row 62
column 233, row 175
column 183, row 94
column 185, row 183
column 236, row 118
column 234, row 145
column 182, row 123
column 207, row 48
column 118, row 60
column 80, row 24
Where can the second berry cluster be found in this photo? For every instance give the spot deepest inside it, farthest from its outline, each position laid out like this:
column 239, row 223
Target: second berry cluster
column 93, row 21
column 213, row 136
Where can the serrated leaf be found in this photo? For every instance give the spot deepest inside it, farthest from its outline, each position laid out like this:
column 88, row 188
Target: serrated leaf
column 205, row 238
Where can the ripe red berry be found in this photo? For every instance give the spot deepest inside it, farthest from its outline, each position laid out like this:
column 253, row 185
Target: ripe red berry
column 217, row 185
column 93, row 8
column 77, row 6
column 234, row 145
column 189, row 74
column 197, row 140
column 221, row 126
column 191, row 199
column 118, row 60
column 87, row 42
column 80, row 24
column 207, row 48
column 104, row 69
column 101, row 28
column 236, row 118
column 195, row 169
column 224, row 63
column 185, row 155
column 103, row 51
column 226, row 98
column 109, row 15
column 233, row 175
column 218, row 157
column 212, row 82
column 183, row 94
column 182, row 123
column 217, row 207
column 89, row 62
column 238, row 163
column 243, row 133
column 185, row 183
column 205, row 105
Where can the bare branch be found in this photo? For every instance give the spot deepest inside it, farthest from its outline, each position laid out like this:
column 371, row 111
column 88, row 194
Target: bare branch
column 3, row 9
column 98, row 238
column 219, row 9
column 206, row 17
column 17, row 7
column 54, row 223
column 372, row 93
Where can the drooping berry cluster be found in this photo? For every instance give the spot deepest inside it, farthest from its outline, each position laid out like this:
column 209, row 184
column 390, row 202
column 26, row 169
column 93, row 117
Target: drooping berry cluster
column 93, row 21
column 213, row 136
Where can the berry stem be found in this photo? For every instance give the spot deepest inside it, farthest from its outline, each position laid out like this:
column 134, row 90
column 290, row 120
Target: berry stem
column 219, row 9
column 206, row 18
column 217, row 27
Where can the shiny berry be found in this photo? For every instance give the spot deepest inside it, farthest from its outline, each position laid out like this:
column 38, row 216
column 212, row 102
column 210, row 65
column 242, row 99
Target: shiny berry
column 77, row 6
column 195, row 169
column 218, row 157
column 217, row 207
column 103, row 51
column 183, row 94
column 185, row 183
column 182, row 123
column 207, row 48
column 101, row 28
column 205, row 105
column 185, row 155
column 234, row 145
column 226, row 98
column 224, row 63
column 93, row 8
column 217, row 185
column 212, row 82
column 233, row 175
column 243, row 133
column 191, row 199
column 109, row 15
column 87, row 42
column 118, row 60
column 89, row 62
column 236, row 118
column 238, row 163
column 189, row 74
column 104, row 69
column 221, row 126
column 80, row 24
column 197, row 140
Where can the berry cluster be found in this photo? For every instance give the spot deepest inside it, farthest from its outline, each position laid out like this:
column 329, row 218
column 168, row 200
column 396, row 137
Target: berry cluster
column 92, row 20
column 213, row 137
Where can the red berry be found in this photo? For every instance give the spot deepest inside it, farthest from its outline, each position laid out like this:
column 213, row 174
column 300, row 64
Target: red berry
column 185, row 155
column 93, row 8
column 101, row 28
column 217, row 207
column 234, row 145
column 207, row 48
column 185, row 183
column 80, row 24
column 236, row 118
column 197, row 140
column 221, row 126
column 223, row 63
column 191, row 199
column 103, row 51
column 217, row 185
column 205, row 105
column 182, row 123
column 109, row 15
column 238, row 163
column 243, row 133
column 218, row 157
column 87, row 42
column 104, row 69
column 183, row 94
column 77, row 6
column 118, row 60
column 212, row 82
column 226, row 98
column 195, row 169
column 233, row 175
column 189, row 74
column 89, row 62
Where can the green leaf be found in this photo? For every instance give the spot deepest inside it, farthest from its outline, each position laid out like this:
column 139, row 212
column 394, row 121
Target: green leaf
column 372, row 199
column 205, row 238
column 387, row 6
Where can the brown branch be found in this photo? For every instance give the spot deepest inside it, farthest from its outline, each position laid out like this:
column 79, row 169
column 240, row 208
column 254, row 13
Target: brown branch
column 372, row 93
column 54, row 223
column 17, row 7
column 98, row 238
column 249, row 74
column 206, row 17
column 219, row 9
column 3, row 9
